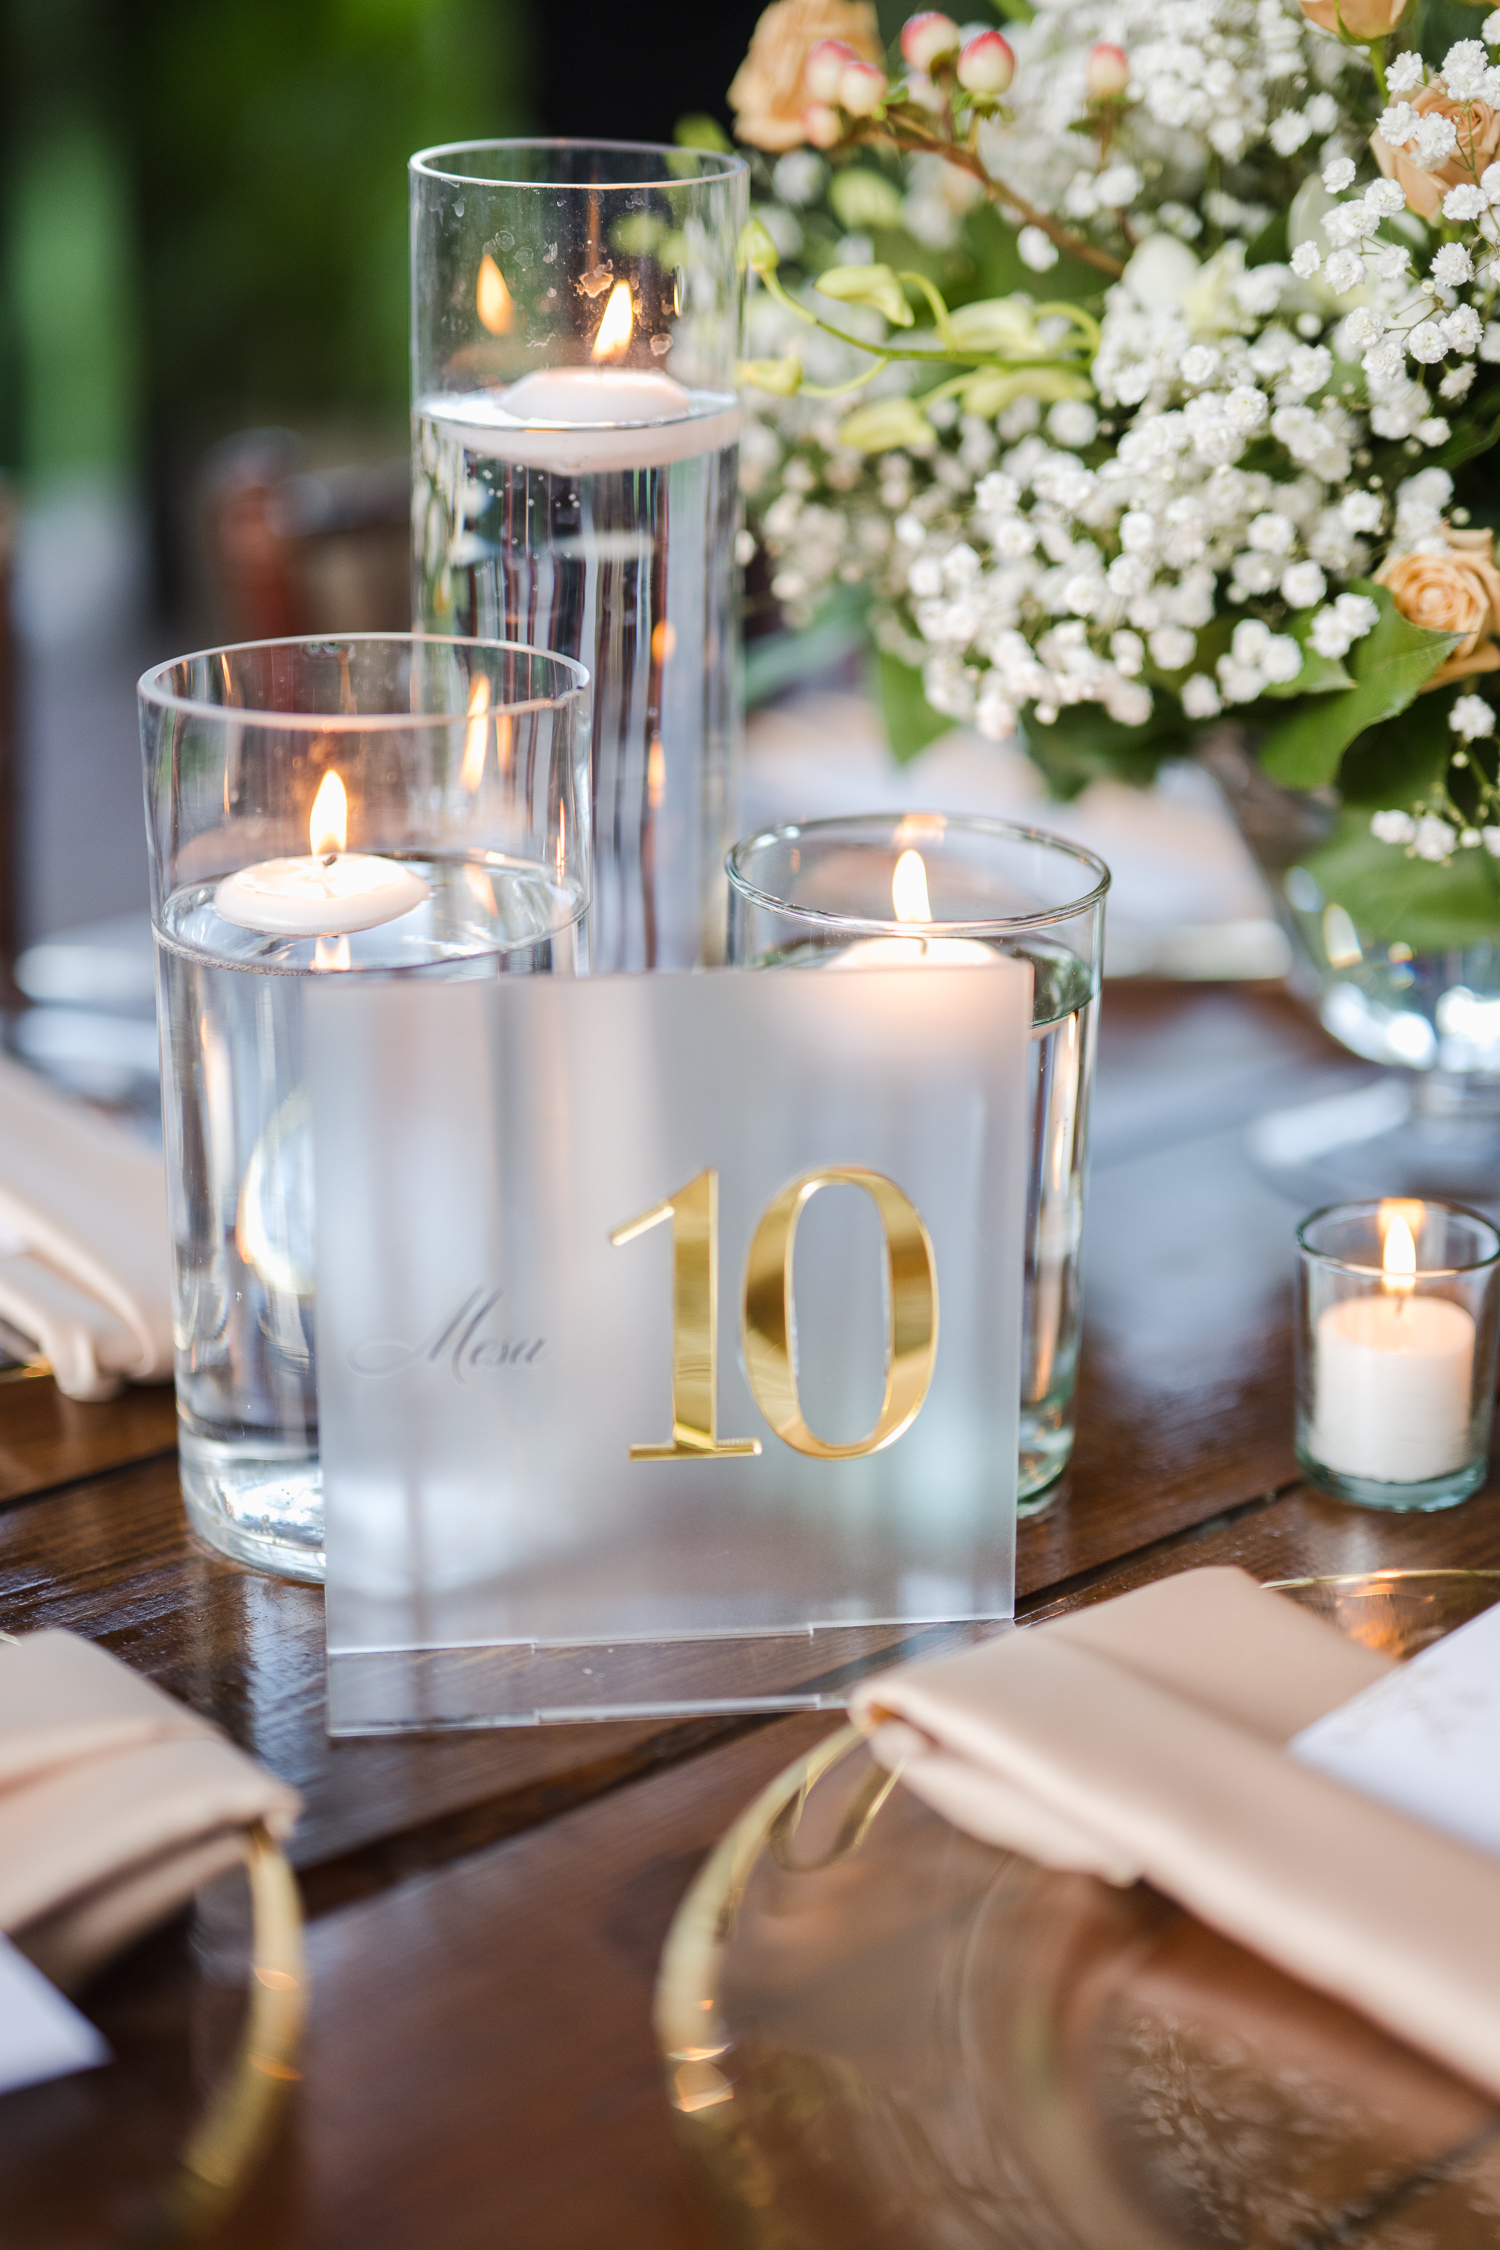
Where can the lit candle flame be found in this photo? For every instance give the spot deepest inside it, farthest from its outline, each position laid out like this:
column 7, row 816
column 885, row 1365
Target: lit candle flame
column 1399, row 1258
column 909, row 889
column 477, row 734
column 494, row 302
column 618, row 324
column 328, row 826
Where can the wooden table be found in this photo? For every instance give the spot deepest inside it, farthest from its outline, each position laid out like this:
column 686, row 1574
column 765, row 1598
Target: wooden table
column 487, row 1910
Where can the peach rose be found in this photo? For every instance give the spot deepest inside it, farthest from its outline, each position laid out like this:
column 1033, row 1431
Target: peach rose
column 1363, row 19
column 1478, row 130
column 768, row 92
column 1456, row 592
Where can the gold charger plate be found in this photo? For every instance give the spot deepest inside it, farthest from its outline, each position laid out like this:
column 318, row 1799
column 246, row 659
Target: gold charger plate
column 203, row 2020
column 881, row 2034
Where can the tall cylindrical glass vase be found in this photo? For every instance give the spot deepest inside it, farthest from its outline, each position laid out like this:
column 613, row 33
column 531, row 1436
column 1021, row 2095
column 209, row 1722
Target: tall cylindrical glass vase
column 575, row 329
column 375, row 805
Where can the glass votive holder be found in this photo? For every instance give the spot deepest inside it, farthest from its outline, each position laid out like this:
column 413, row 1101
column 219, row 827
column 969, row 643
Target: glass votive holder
column 1396, row 1338
column 379, row 804
column 906, row 889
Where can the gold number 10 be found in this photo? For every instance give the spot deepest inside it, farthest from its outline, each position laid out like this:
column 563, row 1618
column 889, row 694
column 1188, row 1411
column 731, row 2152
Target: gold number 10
column 911, row 1334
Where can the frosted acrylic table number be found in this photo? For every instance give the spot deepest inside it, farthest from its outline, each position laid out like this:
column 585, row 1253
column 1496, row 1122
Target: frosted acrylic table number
column 668, row 1334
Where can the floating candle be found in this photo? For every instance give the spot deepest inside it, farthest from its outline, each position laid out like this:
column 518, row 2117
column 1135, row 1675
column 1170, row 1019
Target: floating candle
column 325, row 894
column 1394, row 1377
column 910, row 902
column 582, row 419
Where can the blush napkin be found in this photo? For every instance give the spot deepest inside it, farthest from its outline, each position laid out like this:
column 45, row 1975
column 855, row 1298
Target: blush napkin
column 1145, row 1739
column 116, row 1803
column 85, row 1271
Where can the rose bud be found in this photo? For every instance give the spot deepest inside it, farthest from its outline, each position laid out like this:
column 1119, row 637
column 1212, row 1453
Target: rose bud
column 862, row 89
column 987, row 64
column 825, row 66
column 1108, row 72
column 928, row 38
column 821, row 126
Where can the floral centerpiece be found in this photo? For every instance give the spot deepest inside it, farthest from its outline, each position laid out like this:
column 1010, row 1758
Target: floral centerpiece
column 1136, row 370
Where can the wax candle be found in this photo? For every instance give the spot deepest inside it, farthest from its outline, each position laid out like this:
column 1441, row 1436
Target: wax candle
column 1394, row 1377
column 325, row 893
column 910, row 902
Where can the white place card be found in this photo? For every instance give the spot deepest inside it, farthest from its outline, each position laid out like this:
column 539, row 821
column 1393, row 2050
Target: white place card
column 668, row 1330
column 1426, row 1738
column 42, row 2035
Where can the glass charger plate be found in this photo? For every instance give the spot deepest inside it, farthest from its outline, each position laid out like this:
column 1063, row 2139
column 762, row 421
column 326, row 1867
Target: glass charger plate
column 203, row 2020
column 883, row 2035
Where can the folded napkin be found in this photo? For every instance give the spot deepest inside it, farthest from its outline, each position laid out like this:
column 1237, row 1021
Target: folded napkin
column 1145, row 1739
column 85, row 1252
column 116, row 1803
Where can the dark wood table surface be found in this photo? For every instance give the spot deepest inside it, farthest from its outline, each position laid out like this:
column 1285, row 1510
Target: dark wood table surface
column 486, row 1910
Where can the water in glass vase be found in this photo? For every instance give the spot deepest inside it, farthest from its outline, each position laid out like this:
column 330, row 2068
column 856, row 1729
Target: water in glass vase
column 614, row 545
column 239, row 1168
column 1060, row 1070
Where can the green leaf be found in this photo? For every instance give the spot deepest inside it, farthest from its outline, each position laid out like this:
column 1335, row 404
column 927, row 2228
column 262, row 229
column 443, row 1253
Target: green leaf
column 1084, row 744
column 910, row 721
column 1400, row 759
column 699, row 131
column 1272, row 246
column 1392, row 899
column 992, row 388
column 863, row 198
column 887, row 424
column 1390, row 666
column 1016, row 11
column 867, row 285
column 775, row 661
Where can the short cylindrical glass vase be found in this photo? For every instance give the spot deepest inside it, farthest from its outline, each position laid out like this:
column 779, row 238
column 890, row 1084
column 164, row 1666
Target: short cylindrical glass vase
column 1398, row 1314
column 897, row 890
column 575, row 333
column 379, row 805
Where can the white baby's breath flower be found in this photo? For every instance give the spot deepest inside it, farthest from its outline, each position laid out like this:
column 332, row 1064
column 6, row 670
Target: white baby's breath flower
column 1362, row 511
column 1339, row 174
column 1302, row 584
column 1273, row 533
column 1405, row 74
column 1385, row 198
column 1464, row 203
column 1172, row 647
column 1245, row 408
column 1036, row 251
column 1427, row 343
column 1489, row 342
column 1434, row 838
column 1350, row 222
column 1433, row 431
column 1395, row 126
column 1463, row 327
column 1457, row 383
column 1434, row 141
column 1452, row 264
column 1391, row 261
column 1201, row 699
column 1489, row 30
column 1306, row 259
column 1358, row 613
column 1472, row 718
column 1393, row 827
column 1128, row 651
column 1117, row 185
column 1289, row 131
column 1465, row 69
column 1344, row 271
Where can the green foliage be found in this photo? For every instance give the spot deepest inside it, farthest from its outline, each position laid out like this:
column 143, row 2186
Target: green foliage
column 910, row 721
column 1388, row 896
column 999, row 269
column 1085, row 744
column 272, row 140
column 1402, row 758
column 1390, row 666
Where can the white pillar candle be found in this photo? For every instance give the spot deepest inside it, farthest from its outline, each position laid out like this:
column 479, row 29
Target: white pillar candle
column 909, row 899
column 327, row 892
column 1394, row 1378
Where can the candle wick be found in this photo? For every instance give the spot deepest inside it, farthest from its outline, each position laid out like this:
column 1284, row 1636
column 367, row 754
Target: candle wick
column 329, row 858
